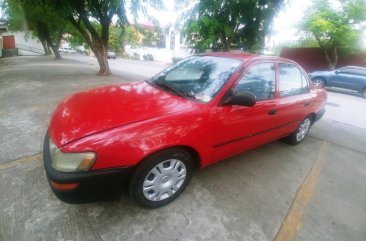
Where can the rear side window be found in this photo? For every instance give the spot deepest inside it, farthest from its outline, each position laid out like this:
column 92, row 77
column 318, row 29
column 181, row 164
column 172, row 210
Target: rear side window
column 260, row 81
column 292, row 81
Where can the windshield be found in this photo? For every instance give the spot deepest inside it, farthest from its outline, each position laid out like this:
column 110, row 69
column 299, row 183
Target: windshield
column 197, row 77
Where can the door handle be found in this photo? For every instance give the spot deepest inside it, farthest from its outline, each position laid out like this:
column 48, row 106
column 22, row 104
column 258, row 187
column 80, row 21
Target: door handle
column 272, row 112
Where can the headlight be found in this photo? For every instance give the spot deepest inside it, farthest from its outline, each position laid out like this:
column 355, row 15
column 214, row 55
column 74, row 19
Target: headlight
column 71, row 162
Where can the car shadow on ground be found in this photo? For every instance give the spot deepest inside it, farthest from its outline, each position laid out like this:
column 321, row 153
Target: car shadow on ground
column 344, row 91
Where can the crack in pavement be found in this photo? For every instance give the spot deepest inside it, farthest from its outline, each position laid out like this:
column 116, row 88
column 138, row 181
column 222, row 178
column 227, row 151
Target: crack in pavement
column 35, row 157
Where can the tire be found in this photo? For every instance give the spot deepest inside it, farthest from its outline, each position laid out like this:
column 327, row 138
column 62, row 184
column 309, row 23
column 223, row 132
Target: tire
column 161, row 178
column 299, row 135
column 319, row 82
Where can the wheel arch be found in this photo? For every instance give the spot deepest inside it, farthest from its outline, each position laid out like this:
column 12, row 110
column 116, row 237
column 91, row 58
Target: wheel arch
column 197, row 159
column 312, row 117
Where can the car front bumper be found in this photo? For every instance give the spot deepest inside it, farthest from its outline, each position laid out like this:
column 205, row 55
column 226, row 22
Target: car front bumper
column 84, row 186
column 319, row 115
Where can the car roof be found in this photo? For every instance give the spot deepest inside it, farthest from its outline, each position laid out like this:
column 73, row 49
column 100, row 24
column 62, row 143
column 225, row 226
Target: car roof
column 354, row 67
column 246, row 56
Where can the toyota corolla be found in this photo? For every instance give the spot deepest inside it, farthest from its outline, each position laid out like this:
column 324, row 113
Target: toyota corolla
column 152, row 134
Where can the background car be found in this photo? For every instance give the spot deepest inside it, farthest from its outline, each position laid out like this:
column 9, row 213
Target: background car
column 350, row 77
column 67, row 50
column 111, row 54
column 148, row 57
column 154, row 133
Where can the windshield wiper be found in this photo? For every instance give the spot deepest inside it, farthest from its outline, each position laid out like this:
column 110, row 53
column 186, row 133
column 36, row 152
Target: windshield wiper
column 163, row 84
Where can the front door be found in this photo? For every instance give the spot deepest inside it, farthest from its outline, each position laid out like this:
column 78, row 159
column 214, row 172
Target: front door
column 241, row 128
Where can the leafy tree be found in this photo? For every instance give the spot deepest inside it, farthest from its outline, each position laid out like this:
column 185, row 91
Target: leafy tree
column 132, row 36
column 153, row 37
column 45, row 22
column 116, row 37
column 82, row 13
column 336, row 30
column 224, row 23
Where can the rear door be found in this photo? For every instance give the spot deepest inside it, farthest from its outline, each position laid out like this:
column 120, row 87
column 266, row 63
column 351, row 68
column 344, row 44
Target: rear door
column 294, row 98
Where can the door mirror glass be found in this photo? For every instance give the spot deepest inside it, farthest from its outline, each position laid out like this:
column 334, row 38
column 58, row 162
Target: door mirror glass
column 240, row 98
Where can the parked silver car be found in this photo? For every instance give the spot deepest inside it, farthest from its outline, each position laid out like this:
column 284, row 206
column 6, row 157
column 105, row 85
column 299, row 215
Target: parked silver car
column 111, row 55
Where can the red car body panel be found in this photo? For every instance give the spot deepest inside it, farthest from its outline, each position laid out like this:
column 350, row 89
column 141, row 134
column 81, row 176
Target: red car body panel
column 90, row 111
column 123, row 124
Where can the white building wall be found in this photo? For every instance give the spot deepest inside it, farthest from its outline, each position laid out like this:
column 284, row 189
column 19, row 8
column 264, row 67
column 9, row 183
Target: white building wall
column 26, row 39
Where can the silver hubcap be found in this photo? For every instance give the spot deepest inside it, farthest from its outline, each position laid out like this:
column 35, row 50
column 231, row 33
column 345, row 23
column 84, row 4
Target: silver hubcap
column 303, row 129
column 318, row 82
column 164, row 180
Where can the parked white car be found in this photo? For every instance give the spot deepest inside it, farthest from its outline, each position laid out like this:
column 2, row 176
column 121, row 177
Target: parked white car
column 67, row 50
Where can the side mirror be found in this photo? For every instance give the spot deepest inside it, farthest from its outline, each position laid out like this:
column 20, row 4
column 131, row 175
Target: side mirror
column 240, row 98
column 161, row 78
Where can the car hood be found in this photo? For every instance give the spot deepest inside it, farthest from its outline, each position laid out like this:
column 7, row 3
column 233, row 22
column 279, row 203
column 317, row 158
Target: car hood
column 321, row 73
column 104, row 108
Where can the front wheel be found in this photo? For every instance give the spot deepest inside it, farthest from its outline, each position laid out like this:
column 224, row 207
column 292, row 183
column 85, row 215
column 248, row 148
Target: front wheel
column 161, row 178
column 318, row 82
column 299, row 135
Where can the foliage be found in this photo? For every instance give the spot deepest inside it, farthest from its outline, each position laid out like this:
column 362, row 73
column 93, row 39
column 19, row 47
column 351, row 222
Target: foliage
column 132, row 36
column 220, row 24
column 42, row 19
column 152, row 37
column 82, row 13
column 116, row 38
column 336, row 30
column 3, row 8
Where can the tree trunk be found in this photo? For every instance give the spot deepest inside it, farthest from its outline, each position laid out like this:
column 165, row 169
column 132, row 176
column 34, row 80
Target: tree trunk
column 45, row 47
column 101, row 55
column 56, row 47
column 332, row 62
column 335, row 58
column 56, row 51
column 98, row 44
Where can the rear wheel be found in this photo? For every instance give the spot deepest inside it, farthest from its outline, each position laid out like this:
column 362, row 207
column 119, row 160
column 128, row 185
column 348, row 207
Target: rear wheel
column 319, row 82
column 161, row 178
column 299, row 135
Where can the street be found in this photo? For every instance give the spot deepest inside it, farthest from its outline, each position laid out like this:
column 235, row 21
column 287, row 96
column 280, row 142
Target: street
column 131, row 70
column 313, row 191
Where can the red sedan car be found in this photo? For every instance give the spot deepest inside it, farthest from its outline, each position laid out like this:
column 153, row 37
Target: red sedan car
column 154, row 133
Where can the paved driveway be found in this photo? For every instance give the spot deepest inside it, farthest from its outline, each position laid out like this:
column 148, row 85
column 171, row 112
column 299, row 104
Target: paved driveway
column 313, row 191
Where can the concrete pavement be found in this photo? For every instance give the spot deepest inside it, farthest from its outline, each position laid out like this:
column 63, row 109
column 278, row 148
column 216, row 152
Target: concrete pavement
column 30, row 89
column 319, row 185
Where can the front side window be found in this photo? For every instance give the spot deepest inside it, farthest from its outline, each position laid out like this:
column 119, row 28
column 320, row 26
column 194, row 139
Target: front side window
column 346, row 70
column 259, row 81
column 197, row 77
column 292, row 81
column 353, row 71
